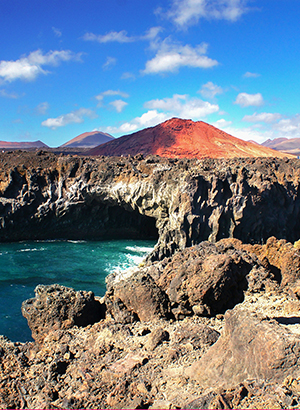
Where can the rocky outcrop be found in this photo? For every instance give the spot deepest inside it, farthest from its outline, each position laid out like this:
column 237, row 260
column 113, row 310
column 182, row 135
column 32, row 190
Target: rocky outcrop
column 57, row 307
column 251, row 347
column 179, row 202
column 139, row 356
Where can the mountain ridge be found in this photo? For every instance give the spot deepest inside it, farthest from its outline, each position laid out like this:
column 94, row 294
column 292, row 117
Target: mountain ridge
column 185, row 139
column 88, row 139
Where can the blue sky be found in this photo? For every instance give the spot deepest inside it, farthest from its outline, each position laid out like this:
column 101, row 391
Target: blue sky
column 72, row 66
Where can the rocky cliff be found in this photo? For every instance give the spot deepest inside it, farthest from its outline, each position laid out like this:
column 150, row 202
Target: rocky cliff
column 207, row 322
column 180, row 202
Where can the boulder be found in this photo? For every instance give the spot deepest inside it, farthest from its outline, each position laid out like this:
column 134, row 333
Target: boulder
column 136, row 297
column 204, row 280
column 252, row 346
column 58, row 307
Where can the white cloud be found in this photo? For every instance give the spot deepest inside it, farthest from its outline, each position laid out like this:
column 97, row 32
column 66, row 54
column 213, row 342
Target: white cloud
column 185, row 13
column 160, row 110
column 171, row 56
column 76, row 117
column 251, row 75
column 222, row 123
column 247, row 100
column 262, row 117
column 128, row 76
column 28, row 68
column 6, row 94
column 42, row 108
column 109, row 93
column 210, row 90
column 148, row 119
column 183, row 106
column 112, row 36
column 110, row 61
column 119, row 105
column 122, row 36
column 57, row 32
column 289, row 127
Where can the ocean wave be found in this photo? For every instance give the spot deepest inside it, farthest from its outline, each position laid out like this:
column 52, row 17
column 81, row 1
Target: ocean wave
column 31, row 250
column 76, row 241
column 140, row 249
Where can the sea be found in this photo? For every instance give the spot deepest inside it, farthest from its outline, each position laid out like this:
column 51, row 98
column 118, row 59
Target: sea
column 82, row 265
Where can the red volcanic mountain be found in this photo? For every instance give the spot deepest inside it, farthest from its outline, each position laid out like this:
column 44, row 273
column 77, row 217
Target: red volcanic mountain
column 88, row 139
column 186, row 139
column 22, row 144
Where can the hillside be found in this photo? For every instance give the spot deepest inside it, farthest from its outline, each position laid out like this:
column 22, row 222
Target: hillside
column 88, row 139
column 22, row 145
column 291, row 146
column 185, row 139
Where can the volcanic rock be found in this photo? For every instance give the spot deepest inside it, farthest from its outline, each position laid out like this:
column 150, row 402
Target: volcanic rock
column 252, row 346
column 177, row 138
column 57, row 307
column 136, row 297
column 178, row 202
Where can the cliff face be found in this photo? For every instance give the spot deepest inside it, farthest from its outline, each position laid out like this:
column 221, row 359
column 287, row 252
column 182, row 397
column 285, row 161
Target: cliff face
column 179, row 202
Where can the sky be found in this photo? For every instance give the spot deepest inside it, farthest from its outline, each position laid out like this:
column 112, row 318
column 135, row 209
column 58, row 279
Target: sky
column 118, row 66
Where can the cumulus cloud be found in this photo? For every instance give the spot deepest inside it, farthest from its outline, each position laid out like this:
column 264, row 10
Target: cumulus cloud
column 119, row 105
column 29, row 67
column 186, row 13
column 289, row 127
column 183, row 106
column 210, row 90
column 266, row 117
column 251, row 75
column 76, row 117
column 247, row 100
column 148, row 119
column 160, row 110
column 110, row 93
column 172, row 56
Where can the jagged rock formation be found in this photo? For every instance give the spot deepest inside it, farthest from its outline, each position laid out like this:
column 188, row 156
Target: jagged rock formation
column 247, row 358
column 180, row 202
column 178, row 138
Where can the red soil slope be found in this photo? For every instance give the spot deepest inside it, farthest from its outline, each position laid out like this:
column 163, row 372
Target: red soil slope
column 185, row 139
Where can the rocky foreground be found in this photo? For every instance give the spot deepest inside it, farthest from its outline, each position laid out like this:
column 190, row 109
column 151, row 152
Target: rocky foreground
column 211, row 320
column 215, row 326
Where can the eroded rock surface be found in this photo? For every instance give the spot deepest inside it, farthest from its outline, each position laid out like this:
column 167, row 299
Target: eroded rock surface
column 180, row 202
column 58, row 307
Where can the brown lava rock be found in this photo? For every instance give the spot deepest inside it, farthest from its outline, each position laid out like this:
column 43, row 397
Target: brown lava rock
column 58, row 307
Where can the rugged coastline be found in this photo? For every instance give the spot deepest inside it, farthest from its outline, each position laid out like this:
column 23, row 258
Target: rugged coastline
column 211, row 320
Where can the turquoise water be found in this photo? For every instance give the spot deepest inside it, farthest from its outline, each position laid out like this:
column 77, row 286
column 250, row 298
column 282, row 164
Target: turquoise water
column 82, row 265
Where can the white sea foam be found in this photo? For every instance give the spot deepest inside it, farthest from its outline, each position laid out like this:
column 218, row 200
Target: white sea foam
column 142, row 249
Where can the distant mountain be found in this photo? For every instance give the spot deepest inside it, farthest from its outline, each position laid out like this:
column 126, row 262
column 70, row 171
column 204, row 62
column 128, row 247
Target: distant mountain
column 88, row 139
column 288, row 145
column 183, row 138
column 22, row 145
